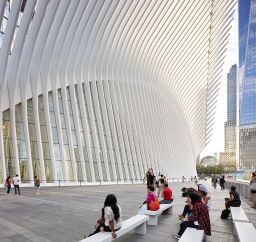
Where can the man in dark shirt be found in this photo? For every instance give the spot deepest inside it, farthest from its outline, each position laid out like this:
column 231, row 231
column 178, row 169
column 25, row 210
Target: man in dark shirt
column 234, row 200
column 150, row 178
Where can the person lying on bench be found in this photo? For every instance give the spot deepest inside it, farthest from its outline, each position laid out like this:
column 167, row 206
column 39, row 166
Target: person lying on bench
column 111, row 217
column 199, row 219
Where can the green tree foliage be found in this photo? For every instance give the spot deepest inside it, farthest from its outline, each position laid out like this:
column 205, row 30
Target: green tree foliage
column 217, row 169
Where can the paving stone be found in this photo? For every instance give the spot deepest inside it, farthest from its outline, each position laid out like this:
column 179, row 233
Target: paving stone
column 66, row 213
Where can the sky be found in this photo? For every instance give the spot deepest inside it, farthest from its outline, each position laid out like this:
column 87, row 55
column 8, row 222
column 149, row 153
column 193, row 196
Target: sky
column 217, row 141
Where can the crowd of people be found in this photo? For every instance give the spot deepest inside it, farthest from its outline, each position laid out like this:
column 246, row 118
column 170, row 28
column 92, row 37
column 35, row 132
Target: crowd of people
column 196, row 209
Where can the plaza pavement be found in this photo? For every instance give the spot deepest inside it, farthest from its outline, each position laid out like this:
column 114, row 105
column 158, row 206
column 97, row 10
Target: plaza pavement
column 64, row 214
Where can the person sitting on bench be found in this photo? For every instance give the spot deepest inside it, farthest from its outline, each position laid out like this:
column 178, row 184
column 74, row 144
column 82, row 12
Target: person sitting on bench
column 199, row 219
column 234, row 200
column 167, row 195
column 187, row 211
column 111, row 217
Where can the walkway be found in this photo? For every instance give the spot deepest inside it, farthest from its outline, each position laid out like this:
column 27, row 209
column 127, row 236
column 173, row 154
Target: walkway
column 64, row 214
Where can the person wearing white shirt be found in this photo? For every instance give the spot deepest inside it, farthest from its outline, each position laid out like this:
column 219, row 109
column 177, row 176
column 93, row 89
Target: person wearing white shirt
column 111, row 217
column 16, row 184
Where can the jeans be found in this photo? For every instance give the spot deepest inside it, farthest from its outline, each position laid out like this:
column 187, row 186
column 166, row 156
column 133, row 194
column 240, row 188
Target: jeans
column 105, row 228
column 8, row 189
column 186, row 211
column 166, row 202
column 17, row 188
column 185, row 225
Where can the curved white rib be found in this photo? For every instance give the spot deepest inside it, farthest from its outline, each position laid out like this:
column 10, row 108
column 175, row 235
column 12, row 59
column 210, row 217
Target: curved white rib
column 116, row 87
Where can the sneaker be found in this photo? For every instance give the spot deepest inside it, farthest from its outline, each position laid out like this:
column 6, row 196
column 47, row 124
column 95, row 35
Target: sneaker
column 176, row 236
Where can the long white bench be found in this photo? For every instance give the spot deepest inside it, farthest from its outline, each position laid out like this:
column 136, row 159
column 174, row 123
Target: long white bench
column 238, row 215
column 245, row 232
column 137, row 222
column 153, row 215
column 192, row 235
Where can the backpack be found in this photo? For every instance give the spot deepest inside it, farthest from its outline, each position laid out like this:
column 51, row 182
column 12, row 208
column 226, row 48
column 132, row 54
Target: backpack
column 225, row 213
column 154, row 204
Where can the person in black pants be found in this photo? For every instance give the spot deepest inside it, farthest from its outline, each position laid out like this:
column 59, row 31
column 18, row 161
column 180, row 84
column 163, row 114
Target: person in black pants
column 16, row 183
column 8, row 184
column 222, row 181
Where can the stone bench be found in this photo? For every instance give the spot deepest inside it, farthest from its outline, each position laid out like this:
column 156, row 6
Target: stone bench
column 137, row 222
column 238, row 215
column 245, row 232
column 153, row 215
column 192, row 235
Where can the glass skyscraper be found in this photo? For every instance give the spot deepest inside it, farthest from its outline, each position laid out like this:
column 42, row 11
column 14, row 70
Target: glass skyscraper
column 247, row 63
column 230, row 125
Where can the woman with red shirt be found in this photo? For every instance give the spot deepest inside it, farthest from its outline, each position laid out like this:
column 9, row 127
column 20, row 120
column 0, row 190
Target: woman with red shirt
column 200, row 214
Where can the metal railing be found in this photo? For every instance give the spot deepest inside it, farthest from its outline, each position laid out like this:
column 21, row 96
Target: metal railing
column 100, row 182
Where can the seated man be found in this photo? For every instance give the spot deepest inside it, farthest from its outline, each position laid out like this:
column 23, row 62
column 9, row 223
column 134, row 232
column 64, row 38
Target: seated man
column 234, row 200
column 167, row 195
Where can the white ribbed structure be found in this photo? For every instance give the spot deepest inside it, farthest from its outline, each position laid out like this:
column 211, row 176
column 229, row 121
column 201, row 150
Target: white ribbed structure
column 103, row 90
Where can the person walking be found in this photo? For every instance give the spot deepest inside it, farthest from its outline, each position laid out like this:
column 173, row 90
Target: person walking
column 8, row 184
column 161, row 182
column 222, row 181
column 214, row 181
column 253, row 189
column 37, row 184
column 150, row 177
column 16, row 183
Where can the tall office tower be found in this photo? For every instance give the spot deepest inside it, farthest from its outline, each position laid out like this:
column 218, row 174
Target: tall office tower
column 230, row 125
column 247, row 56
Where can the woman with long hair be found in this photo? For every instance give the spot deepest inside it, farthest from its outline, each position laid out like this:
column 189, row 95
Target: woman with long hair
column 200, row 218
column 111, row 217
column 8, row 184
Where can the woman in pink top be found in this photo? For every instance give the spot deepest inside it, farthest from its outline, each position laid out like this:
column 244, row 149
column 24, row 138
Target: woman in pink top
column 151, row 195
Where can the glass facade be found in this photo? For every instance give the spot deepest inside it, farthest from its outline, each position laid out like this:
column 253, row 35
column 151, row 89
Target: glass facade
column 33, row 140
column 247, row 54
column 55, row 139
column 83, row 141
column 21, row 143
column 74, row 140
column 45, row 140
column 8, row 145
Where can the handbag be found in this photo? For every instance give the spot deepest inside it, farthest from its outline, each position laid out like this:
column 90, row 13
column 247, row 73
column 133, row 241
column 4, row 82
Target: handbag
column 253, row 186
column 154, row 204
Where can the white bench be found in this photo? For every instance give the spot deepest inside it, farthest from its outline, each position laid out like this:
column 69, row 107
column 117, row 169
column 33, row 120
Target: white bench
column 245, row 232
column 192, row 235
column 137, row 222
column 238, row 215
column 153, row 215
